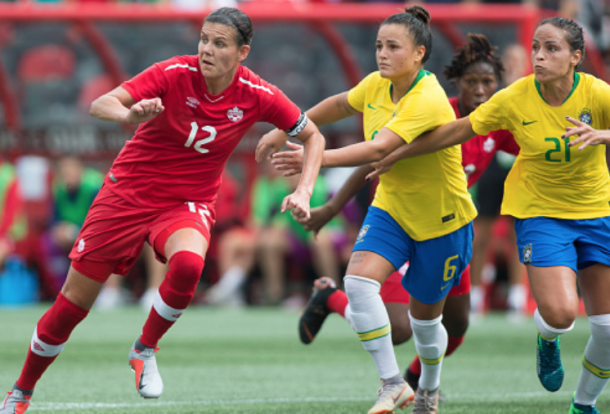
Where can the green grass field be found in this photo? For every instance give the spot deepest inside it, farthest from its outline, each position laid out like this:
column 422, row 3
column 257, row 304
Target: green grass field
column 250, row 361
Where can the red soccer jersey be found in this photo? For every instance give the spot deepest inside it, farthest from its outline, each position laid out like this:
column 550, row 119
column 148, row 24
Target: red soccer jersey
column 478, row 152
column 179, row 155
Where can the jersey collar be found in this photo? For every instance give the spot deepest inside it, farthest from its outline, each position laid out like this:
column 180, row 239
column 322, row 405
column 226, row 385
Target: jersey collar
column 576, row 82
column 419, row 76
column 218, row 98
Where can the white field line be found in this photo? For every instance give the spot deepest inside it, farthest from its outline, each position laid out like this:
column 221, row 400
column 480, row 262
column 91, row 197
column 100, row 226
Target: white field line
column 42, row 406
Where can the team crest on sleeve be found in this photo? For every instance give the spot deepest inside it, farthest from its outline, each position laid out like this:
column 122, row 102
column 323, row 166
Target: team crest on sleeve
column 585, row 116
column 235, row 114
column 527, row 253
column 362, row 233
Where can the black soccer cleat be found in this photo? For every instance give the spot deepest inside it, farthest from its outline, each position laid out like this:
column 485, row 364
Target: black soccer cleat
column 316, row 311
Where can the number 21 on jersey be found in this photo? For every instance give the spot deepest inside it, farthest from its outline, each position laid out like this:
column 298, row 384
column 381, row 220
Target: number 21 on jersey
column 201, row 142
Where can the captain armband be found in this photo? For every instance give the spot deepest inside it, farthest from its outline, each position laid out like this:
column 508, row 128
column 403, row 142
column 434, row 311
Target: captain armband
column 298, row 126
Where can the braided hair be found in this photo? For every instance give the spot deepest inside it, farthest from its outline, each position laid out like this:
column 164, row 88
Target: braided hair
column 478, row 49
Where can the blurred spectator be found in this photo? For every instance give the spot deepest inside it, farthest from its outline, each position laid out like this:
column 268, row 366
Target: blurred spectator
column 232, row 246
column 279, row 235
column 13, row 224
column 516, row 64
column 74, row 189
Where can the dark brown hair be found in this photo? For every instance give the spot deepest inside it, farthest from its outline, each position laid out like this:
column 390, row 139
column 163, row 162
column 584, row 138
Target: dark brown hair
column 417, row 20
column 235, row 18
column 574, row 35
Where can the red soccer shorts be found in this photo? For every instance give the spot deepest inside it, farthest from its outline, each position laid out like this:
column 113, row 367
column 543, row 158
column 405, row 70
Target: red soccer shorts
column 115, row 231
column 392, row 290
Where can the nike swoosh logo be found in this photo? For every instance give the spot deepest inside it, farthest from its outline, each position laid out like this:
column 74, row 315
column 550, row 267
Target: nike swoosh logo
column 399, row 395
column 446, row 286
column 528, row 123
column 372, row 107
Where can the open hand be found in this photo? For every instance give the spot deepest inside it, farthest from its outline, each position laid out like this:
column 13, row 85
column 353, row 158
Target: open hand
column 291, row 162
column 586, row 134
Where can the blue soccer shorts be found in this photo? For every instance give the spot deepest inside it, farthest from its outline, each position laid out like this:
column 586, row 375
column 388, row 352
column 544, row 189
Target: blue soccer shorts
column 435, row 265
column 577, row 244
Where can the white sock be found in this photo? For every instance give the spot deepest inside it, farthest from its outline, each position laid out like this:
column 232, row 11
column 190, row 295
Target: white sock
column 546, row 331
column 348, row 316
column 430, row 343
column 370, row 320
column 596, row 362
column 476, row 299
column 517, row 297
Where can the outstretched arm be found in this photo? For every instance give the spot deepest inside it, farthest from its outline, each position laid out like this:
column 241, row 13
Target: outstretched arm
column 326, row 112
column 118, row 106
column 361, row 153
column 445, row 136
column 320, row 216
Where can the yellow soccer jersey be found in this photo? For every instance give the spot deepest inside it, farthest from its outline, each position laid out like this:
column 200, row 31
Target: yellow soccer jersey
column 549, row 178
column 426, row 195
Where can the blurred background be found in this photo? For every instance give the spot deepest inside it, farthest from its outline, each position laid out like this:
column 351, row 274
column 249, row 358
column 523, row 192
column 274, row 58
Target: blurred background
column 56, row 57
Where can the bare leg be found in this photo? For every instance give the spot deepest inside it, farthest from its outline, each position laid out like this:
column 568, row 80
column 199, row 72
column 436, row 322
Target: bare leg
column 554, row 289
column 455, row 315
column 399, row 320
column 81, row 290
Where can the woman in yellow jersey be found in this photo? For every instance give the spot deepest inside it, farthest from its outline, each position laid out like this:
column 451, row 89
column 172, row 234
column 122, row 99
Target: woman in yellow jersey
column 559, row 196
column 428, row 222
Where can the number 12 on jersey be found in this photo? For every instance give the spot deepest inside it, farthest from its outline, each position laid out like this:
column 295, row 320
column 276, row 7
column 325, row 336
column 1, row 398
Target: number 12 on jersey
column 200, row 143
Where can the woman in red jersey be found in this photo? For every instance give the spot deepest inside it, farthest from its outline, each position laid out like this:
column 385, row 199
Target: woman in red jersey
column 193, row 111
column 476, row 71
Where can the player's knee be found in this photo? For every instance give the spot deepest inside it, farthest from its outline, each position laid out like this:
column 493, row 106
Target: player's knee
column 560, row 317
column 185, row 270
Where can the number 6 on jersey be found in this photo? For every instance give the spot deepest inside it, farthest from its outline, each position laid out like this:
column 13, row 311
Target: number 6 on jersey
column 200, row 143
